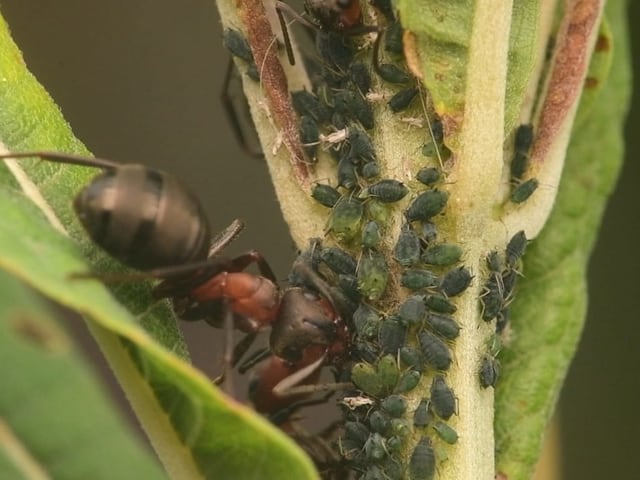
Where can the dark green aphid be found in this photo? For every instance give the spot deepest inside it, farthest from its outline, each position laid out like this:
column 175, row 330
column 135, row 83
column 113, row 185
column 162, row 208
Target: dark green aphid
column 429, row 232
column 492, row 300
column 325, row 194
column 416, row 279
column 363, row 111
column 443, row 400
column 493, row 261
column 366, row 351
column 309, row 136
column 444, row 326
column 516, row 248
column 407, row 249
column 371, row 234
column 422, row 416
column 523, row 142
column 422, row 464
column 393, row 74
column 348, row 284
column 412, row 357
column 356, row 432
column 388, row 190
column 393, row 38
column 378, row 211
column 388, row 373
column 359, row 75
column 366, row 321
column 455, row 281
column 338, row 260
column 427, row 205
column 394, row 405
column 509, row 278
column 413, row 310
column 392, row 335
column 339, row 120
column 306, row 103
column 489, row 371
column 346, row 218
column 365, row 377
column 443, row 254
column 379, row 422
column 335, row 49
column 435, row 351
column 370, row 170
column 361, row 147
column 522, row 192
column 408, row 381
column 445, row 432
column 439, row 304
column 235, row 42
column 373, row 274
column 374, row 472
column 347, row 177
column 392, row 469
column 375, row 448
column 394, row 445
column 385, row 7
column 402, row 99
column 429, row 176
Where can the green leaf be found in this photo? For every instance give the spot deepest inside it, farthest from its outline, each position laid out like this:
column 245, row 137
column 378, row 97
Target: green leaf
column 196, row 431
column 549, row 311
column 51, row 408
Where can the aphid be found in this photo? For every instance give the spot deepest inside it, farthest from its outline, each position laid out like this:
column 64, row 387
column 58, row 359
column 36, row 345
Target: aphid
column 422, row 417
column 417, row 279
column 429, row 176
column 444, row 326
column 401, row 100
column 306, row 103
column 309, row 136
column 412, row 357
column 371, row 234
column 522, row 192
column 493, row 262
column 523, row 142
column 361, row 147
column 337, row 52
column 392, row 335
column 388, row 190
column 359, row 75
column 408, row 381
column 355, row 433
column 400, row 427
column 365, row 377
column 508, row 279
column 407, row 249
column 366, row 321
column 422, row 464
column 325, row 194
column 413, row 310
column 435, row 351
column 427, row 205
column 370, row 170
column 443, row 400
column 346, row 218
column 348, row 284
column 351, row 104
column 347, row 177
column 393, row 74
column 394, row 405
column 375, row 448
column 379, row 422
column 502, row 320
column 443, row 254
column 373, row 274
column 455, row 281
column 393, row 38
column 388, row 373
column 445, row 432
column 516, row 248
column 238, row 46
column 338, row 260
column 439, row 304
column 429, row 232
column 489, row 371
column 492, row 299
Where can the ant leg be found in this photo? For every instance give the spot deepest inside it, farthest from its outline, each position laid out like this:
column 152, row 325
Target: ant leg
column 227, row 382
column 280, row 7
column 307, row 389
column 241, row 262
column 65, row 158
column 254, row 359
column 233, row 115
column 241, row 347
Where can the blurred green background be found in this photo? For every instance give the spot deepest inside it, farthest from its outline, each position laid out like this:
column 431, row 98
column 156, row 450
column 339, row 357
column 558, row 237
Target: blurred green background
column 140, row 81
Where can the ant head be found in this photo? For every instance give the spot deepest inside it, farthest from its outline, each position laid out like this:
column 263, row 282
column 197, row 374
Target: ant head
column 335, row 15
